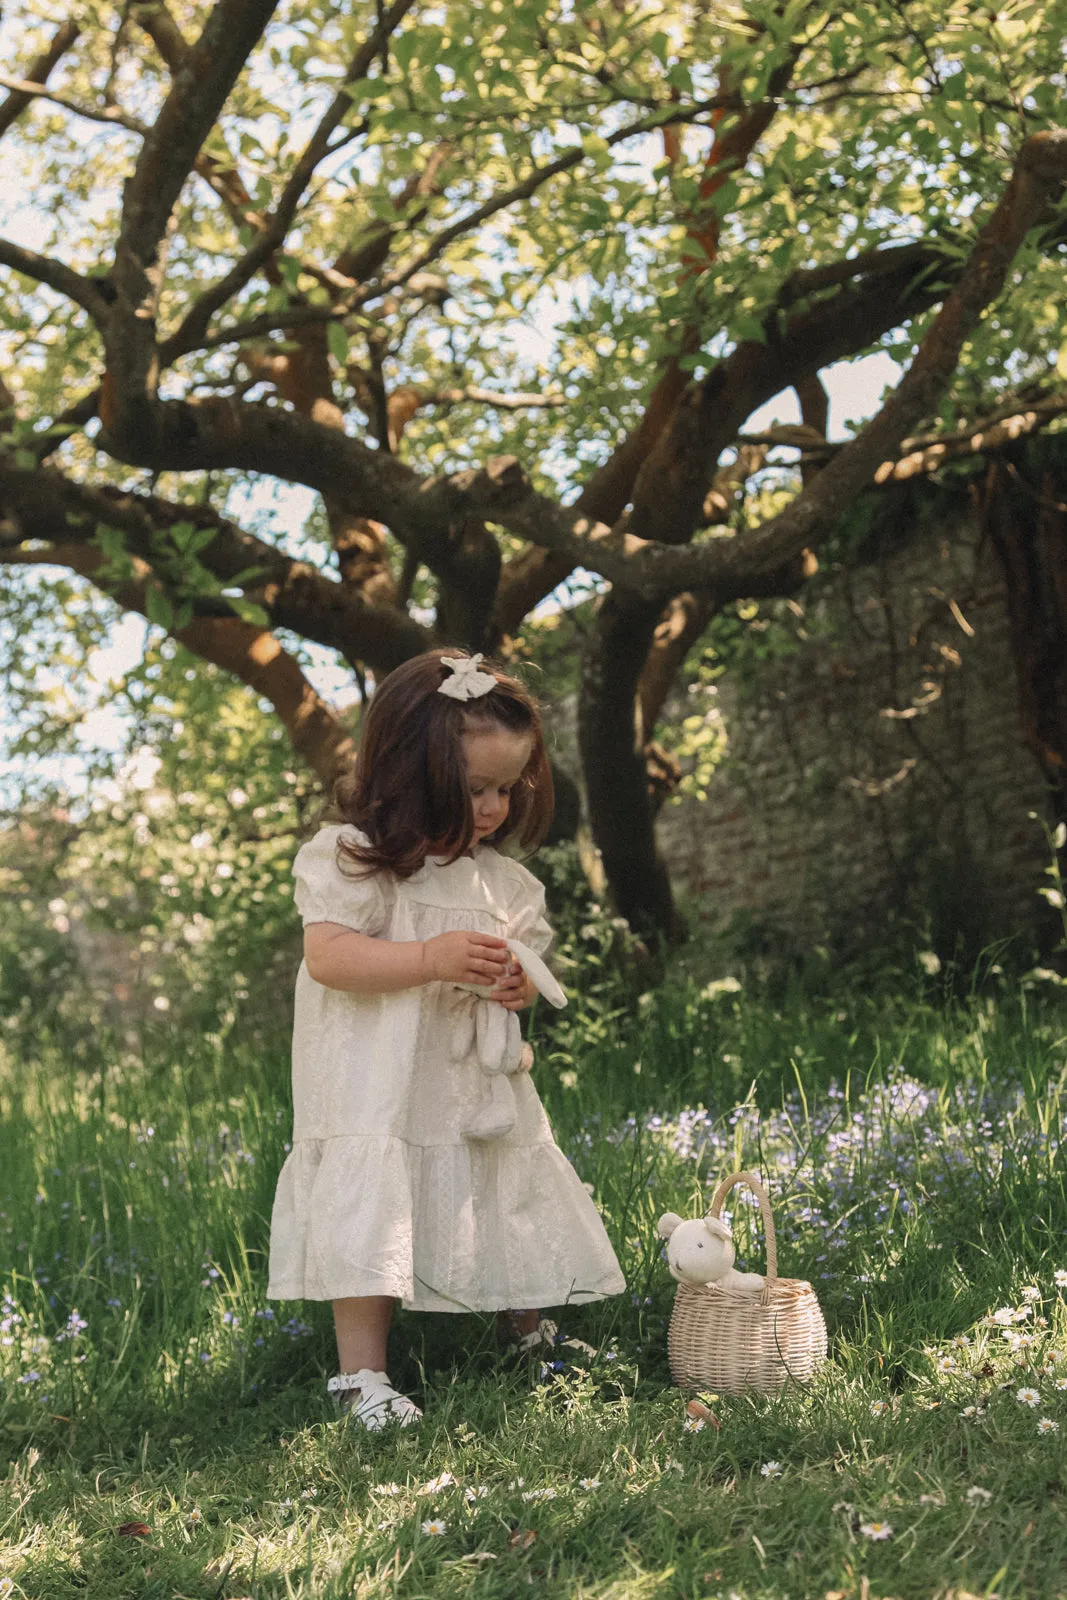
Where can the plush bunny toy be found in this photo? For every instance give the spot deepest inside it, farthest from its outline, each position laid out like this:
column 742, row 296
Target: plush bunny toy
column 702, row 1251
column 493, row 1031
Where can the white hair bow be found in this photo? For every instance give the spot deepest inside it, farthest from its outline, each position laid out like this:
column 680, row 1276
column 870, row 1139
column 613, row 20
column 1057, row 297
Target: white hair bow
column 466, row 682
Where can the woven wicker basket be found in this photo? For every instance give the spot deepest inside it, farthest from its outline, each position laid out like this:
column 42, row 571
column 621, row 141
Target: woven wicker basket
column 729, row 1341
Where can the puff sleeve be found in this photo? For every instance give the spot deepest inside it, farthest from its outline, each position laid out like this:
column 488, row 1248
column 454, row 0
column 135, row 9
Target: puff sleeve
column 526, row 911
column 323, row 893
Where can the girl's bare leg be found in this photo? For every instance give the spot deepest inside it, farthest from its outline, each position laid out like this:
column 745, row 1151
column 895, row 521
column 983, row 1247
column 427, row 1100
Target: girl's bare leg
column 362, row 1327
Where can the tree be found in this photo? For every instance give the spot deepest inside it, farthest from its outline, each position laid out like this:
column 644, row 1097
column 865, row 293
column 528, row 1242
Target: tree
column 304, row 244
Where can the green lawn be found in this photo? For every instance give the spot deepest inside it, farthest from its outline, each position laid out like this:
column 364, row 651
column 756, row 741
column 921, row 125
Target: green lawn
column 914, row 1154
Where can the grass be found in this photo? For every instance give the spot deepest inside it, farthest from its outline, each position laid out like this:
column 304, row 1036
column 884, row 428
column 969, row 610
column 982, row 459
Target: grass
column 167, row 1430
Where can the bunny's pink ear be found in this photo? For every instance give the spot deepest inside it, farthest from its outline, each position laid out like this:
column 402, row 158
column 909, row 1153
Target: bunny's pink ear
column 667, row 1224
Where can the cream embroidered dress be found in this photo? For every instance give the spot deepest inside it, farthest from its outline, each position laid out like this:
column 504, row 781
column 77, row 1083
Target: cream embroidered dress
column 382, row 1194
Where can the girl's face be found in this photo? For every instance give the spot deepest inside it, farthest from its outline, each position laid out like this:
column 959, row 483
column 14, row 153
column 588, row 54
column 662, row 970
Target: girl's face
column 495, row 758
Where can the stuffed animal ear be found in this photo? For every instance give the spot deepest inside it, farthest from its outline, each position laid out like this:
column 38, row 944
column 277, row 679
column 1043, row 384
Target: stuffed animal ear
column 535, row 969
column 667, row 1224
column 718, row 1229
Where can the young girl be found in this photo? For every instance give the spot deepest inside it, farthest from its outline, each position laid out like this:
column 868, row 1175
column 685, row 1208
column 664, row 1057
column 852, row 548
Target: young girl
column 386, row 1196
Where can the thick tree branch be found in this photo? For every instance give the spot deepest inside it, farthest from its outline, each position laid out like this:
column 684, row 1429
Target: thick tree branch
column 519, row 401
column 1039, row 176
column 276, row 226
column 220, row 433
column 85, row 292
column 303, row 377
column 221, row 176
column 1017, row 418
column 163, row 31
column 198, row 92
column 44, row 505
column 406, row 400
column 251, row 654
column 39, row 72
column 113, row 115
column 686, row 616
column 255, row 656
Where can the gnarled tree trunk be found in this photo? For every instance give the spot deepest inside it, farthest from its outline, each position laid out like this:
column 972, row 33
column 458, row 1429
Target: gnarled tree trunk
column 1027, row 521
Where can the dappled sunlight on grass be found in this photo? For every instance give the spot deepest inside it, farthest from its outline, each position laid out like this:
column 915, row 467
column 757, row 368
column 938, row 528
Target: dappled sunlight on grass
column 169, row 1431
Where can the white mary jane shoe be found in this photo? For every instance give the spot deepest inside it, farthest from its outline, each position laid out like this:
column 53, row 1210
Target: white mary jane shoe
column 378, row 1403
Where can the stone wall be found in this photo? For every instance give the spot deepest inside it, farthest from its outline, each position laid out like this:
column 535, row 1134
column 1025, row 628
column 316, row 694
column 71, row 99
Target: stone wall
column 881, row 766
column 878, row 769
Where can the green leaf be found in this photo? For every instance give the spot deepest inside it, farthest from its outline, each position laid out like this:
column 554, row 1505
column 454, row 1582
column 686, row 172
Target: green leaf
column 110, row 540
column 748, row 328
column 182, row 534
column 158, row 607
column 245, row 576
column 249, row 612
column 200, row 539
column 337, row 343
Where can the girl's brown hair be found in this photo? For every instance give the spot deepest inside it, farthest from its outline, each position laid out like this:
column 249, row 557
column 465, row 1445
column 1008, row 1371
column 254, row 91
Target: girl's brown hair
column 409, row 793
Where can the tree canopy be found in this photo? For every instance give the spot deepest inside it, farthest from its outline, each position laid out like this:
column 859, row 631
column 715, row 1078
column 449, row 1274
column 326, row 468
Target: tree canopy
column 500, row 284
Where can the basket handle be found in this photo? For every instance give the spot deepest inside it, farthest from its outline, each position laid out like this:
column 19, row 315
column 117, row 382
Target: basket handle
column 760, row 1192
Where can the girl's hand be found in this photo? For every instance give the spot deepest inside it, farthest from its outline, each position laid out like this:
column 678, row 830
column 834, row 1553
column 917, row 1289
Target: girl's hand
column 514, row 990
column 465, row 958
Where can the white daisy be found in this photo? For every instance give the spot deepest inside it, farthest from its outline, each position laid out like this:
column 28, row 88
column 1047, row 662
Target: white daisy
column 1031, row 1293
column 1046, row 1425
column 1059, row 1278
column 539, row 1494
column 771, row 1469
column 979, row 1496
column 435, row 1485
column 1003, row 1317
column 973, row 1411
column 386, row 1488
column 1061, row 1383
column 947, row 1364
column 876, row 1530
column 434, row 1527
column 931, row 1499
column 475, row 1492
column 879, row 1408
column 1028, row 1397
column 693, row 1425
column 589, row 1483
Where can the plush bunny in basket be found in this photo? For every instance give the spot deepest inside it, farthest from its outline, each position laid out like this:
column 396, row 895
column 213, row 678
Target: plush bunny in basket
column 736, row 1331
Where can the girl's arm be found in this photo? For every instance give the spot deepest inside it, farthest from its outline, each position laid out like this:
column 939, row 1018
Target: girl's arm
column 339, row 958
